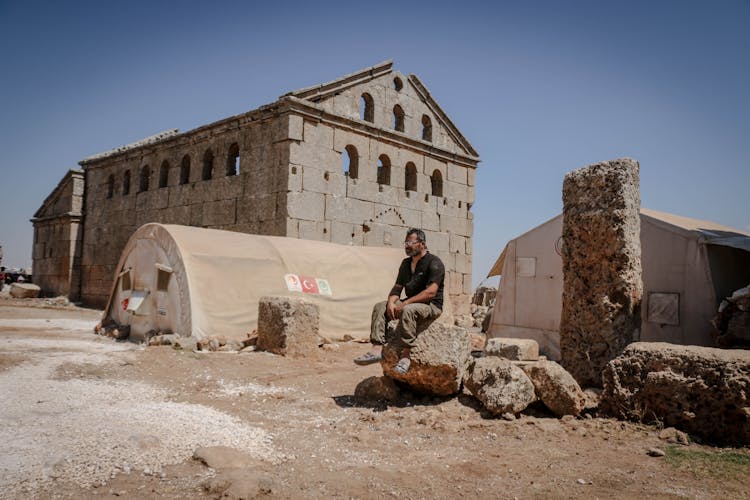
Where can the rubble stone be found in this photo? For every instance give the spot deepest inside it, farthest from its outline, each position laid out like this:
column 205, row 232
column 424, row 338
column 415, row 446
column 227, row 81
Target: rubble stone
column 513, row 349
column 464, row 321
column 287, row 325
column 500, row 386
column 376, row 389
column 438, row 360
column 556, row 388
column 602, row 287
column 700, row 390
column 24, row 290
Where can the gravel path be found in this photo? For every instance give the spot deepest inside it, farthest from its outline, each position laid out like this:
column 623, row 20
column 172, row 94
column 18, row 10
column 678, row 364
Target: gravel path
column 86, row 430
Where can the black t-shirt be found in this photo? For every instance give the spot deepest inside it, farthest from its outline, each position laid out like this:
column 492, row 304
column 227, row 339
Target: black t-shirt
column 429, row 269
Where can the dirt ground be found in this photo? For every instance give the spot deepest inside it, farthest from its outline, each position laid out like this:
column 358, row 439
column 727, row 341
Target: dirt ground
column 85, row 416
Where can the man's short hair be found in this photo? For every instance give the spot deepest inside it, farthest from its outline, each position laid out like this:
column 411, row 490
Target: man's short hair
column 418, row 232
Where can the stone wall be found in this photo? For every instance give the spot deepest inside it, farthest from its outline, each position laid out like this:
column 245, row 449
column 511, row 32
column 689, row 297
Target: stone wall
column 295, row 180
column 57, row 238
column 602, row 285
column 252, row 201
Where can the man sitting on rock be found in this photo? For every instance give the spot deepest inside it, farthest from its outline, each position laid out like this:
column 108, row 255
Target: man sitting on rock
column 420, row 276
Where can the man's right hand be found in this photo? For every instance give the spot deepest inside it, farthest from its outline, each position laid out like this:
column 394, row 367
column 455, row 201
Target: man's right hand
column 390, row 310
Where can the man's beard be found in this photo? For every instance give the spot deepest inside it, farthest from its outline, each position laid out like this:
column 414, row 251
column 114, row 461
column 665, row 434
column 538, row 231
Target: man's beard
column 412, row 251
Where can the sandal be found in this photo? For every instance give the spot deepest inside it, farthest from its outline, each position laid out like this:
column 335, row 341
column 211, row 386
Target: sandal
column 402, row 366
column 368, row 359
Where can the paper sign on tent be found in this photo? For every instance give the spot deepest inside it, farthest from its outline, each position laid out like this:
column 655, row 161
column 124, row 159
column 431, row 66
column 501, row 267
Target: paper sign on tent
column 293, row 283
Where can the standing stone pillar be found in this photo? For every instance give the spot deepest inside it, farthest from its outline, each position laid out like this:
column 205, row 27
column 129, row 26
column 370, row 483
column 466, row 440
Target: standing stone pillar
column 602, row 285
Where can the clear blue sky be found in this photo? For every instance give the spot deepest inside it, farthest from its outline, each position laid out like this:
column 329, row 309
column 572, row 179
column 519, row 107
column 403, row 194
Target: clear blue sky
column 539, row 88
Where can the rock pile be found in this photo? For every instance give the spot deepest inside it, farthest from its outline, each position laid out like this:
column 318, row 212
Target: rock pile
column 732, row 322
column 701, row 390
column 602, row 285
column 511, row 376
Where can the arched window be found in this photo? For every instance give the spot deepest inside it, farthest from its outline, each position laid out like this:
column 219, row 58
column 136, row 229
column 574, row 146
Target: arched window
column 164, row 174
column 384, row 170
column 410, row 180
column 426, row 128
column 126, row 183
column 367, row 108
column 350, row 162
column 437, row 183
column 110, row 186
column 145, row 177
column 398, row 84
column 233, row 160
column 208, row 165
column 185, row 170
column 398, row 118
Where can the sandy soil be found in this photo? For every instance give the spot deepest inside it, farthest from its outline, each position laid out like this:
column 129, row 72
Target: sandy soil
column 84, row 416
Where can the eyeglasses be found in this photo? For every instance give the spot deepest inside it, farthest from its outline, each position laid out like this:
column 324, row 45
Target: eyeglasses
column 409, row 243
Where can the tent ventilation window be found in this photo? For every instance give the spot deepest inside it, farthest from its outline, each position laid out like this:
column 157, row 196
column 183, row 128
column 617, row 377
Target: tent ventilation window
column 125, row 280
column 164, row 273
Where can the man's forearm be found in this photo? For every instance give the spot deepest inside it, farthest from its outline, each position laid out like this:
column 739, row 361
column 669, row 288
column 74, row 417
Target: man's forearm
column 423, row 297
column 392, row 299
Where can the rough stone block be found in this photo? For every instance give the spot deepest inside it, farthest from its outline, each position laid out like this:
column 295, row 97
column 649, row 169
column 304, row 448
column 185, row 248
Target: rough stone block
column 323, row 181
column 295, row 128
column 24, row 290
column 602, row 285
column 701, row 390
column 342, row 209
column 437, row 242
column 457, row 243
column 288, row 325
column 499, row 385
column 555, row 387
column 306, row 206
column 430, row 221
column 513, row 349
column 438, row 360
column 360, row 189
column 373, row 389
column 218, row 213
column 457, row 174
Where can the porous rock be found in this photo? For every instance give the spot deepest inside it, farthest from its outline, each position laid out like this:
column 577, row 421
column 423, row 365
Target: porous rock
column 288, row 325
column 499, row 385
column 376, row 389
column 439, row 359
column 700, row 390
column 602, row 287
column 513, row 349
column 24, row 290
column 556, row 388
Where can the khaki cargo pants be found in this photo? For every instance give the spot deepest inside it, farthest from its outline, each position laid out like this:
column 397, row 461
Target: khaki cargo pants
column 415, row 318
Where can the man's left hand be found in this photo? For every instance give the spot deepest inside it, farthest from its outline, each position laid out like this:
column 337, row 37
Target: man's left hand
column 397, row 308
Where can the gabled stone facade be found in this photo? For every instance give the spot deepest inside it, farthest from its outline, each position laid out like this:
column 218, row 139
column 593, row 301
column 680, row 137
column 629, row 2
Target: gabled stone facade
column 58, row 237
column 354, row 161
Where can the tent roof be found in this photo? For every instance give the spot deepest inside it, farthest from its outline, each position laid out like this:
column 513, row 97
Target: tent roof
column 710, row 232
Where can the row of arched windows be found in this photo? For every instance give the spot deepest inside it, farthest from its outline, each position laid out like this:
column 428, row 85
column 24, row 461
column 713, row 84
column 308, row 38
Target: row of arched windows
column 207, row 171
column 350, row 166
column 367, row 113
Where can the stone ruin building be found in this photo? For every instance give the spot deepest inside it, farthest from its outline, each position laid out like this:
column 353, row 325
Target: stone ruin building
column 354, row 161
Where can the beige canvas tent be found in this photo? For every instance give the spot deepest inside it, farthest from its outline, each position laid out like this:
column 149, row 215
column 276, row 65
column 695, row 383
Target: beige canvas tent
column 208, row 282
column 689, row 265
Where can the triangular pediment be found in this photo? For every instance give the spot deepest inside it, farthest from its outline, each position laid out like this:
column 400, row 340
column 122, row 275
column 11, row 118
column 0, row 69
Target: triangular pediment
column 60, row 200
column 388, row 88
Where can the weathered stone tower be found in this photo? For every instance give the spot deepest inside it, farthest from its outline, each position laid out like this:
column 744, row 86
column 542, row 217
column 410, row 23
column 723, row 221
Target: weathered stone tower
column 353, row 161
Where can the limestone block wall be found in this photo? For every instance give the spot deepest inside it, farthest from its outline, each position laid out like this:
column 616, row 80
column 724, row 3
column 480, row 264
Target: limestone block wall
column 167, row 184
column 602, row 285
column 335, row 195
column 57, row 238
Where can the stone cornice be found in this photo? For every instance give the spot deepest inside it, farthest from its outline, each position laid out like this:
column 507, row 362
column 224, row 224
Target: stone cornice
column 73, row 216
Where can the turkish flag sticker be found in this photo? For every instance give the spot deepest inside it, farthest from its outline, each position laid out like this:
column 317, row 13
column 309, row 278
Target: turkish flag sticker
column 309, row 285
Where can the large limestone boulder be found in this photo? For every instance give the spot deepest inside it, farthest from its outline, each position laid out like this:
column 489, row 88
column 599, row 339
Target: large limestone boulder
column 499, row 385
column 555, row 387
column 602, row 287
column 438, row 360
column 513, row 349
column 288, row 325
column 24, row 290
column 701, row 390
